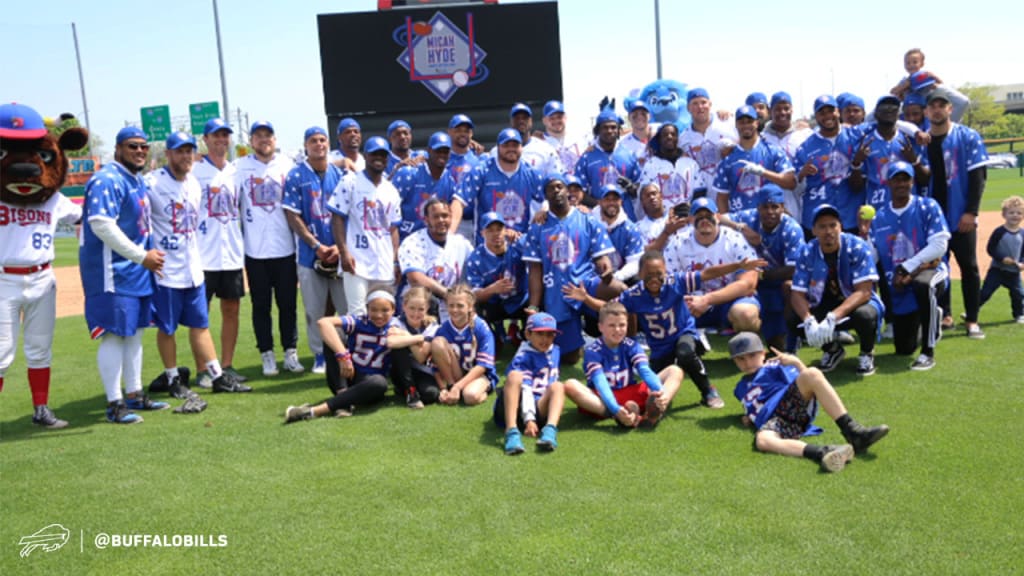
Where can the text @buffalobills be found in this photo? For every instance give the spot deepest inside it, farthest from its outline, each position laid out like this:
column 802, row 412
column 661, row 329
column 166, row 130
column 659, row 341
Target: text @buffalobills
column 104, row 540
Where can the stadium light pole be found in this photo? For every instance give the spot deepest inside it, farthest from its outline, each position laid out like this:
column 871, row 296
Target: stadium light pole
column 657, row 35
column 81, row 77
column 223, row 80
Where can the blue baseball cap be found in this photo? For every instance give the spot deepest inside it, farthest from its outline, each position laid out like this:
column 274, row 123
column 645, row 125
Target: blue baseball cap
column 825, row 210
column 509, row 134
column 460, row 119
column 347, row 123
column 261, row 124
column 823, row 101
column 771, row 194
column 747, row 111
column 396, row 125
column 696, row 93
column 607, row 115
column 520, row 107
column 542, row 322
column 913, row 99
column 572, row 180
column 553, row 177
column 888, row 98
column 745, row 343
column 780, row 97
column 20, row 122
column 313, row 131
column 899, row 167
column 376, row 144
column 129, row 132
column 490, row 218
column 439, row 140
column 553, row 107
column 608, row 189
column 178, row 139
column 216, row 124
column 756, row 98
column 851, row 100
column 703, row 203
column 638, row 105
column 920, row 80
column 841, row 99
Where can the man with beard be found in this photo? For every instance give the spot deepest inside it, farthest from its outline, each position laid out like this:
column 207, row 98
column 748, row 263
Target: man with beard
column 537, row 153
column 350, row 140
column 433, row 257
column 418, row 183
column 640, row 131
column 706, row 138
column 781, row 132
column 750, row 164
column 461, row 160
column 880, row 148
column 676, row 174
column 851, row 109
column 658, row 224
column 625, row 237
column 496, row 273
column 605, row 163
column 308, row 190
column 554, row 134
column 760, row 103
column 568, row 249
column 401, row 153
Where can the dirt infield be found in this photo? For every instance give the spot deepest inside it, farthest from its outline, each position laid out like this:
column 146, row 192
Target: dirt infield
column 71, row 302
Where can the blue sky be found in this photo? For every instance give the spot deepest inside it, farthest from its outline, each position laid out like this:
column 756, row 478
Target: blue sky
column 140, row 53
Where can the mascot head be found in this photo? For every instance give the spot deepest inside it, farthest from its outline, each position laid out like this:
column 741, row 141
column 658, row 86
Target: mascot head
column 666, row 100
column 33, row 161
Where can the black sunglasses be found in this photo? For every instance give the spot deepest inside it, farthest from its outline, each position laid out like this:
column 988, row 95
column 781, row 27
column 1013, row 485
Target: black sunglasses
column 134, row 146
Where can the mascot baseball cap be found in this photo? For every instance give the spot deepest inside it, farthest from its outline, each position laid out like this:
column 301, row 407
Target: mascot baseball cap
column 520, row 107
column 899, row 167
column 313, row 131
column 490, row 218
column 396, row 125
column 439, row 140
column 771, row 194
column 747, row 111
column 825, row 210
column 696, row 93
column 178, row 139
column 129, row 132
column 347, row 123
column 542, row 322
column 780, row 97
column 703, row 203
column 745, row 343
column 215, row 125
column 553, row 107
column 460, row 119
column 823, row 101
column 509, row 134
column 261, row 124
column 376, row 144
column 19, row 122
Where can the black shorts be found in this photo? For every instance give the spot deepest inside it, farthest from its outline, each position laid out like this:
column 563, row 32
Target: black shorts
column 792, row 415
column 224, row 284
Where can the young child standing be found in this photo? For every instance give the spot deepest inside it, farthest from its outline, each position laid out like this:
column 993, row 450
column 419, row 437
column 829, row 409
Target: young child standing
column 609, row 362
column 532, row 388
column 1006, row 247
column 462, row 351
column 780, row 400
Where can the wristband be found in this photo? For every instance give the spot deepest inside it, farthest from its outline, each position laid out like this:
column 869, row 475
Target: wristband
column 346, row 355
column 532, row 310
column 316, row 246
column 856, row 167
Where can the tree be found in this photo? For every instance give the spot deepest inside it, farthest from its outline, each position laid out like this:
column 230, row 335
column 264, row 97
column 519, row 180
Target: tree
column 1008, row 126
column 983, row 114
column 65, row 121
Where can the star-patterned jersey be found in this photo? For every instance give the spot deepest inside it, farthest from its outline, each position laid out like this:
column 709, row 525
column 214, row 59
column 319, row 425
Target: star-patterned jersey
column 855, row 264
column 831, row 184
column 788, row 142
column 568, row 152
column 962, row 151
column 616, row 365
column 26, row 232
column 566, row 249
column 685, row 254
column 368, row 343
column 651, row 229
column 597, row 168
column 175, row 206
column 459, row 166
column 539, row 370
column 114, row 193
column 876, row 165
column 370, row 212
column 473, row 344
column 706, row 149
column 781, row 246
column 677, row 180
column 220, row 232
column 900, row 234
column 415, row 186
column 514, row 196
column 636, row 147
column 626, row 239
column 444, row 263
column 307, row 194
column 761, row 392
column 742, row 187
column 665, row 317
column 485, row 268
column 394, row 160
column 260, row 185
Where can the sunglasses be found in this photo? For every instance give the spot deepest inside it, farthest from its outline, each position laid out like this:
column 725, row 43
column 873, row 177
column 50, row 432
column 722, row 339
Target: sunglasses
column 136, row 146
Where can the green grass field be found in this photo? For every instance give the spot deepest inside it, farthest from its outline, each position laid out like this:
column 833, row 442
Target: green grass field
column 401, row 492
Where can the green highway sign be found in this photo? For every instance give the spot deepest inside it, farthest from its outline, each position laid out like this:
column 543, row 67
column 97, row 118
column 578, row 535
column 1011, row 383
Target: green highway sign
column 202, row 113
column 156, row 122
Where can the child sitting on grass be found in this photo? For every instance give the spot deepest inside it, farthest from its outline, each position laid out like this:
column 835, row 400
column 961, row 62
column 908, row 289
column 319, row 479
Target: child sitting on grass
column 780, row 398
column 410, row 373
column 462, row 350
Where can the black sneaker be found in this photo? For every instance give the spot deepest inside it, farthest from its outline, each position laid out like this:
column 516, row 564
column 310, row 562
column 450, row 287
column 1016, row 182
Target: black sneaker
column 836, row 457
column 226, row 383
column 118, row 413
column 923, row 362
column 178, row 389
column 831, row 356
column 143, row 402
column 413, row 400
column 862, row 438
column 44, row 417
column 161, row 384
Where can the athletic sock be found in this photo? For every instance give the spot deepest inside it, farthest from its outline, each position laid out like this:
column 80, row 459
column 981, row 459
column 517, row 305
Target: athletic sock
column 814, row 452
column 845, row 423
column 171, row 373
column 1, row 383
column 213, row 367
column 39, row 382
column 694, row 368
column 108, row 358
column 928, row 351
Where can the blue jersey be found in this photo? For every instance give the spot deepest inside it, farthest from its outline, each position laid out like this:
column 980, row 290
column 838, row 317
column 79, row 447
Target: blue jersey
column 395, row 160
column 855, row 264
column 741, row 187
column 831, row 185
column 473, row 343
column 610, row 369
column 781, row 246
column 539, row 369
column 460, row 165
column 484, row 268
column 595, row 168
column 492, row 190
column 117, row 194
column 664, row 318
column 307, row 193
column 898, row 237
column 415, row 186
column 962, row 151
column 876, row 166
column 628, row 243
column 368, row 344
column 566, row 250
column 761, row 392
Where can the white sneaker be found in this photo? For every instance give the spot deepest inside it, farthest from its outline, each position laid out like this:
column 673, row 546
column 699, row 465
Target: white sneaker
column 291, row 361
column 269, row 363
column 1020, row 319
column 887, row 333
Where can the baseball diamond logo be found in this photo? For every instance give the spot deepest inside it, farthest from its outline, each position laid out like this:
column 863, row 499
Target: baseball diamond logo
column 441, row 56
column 49, row 539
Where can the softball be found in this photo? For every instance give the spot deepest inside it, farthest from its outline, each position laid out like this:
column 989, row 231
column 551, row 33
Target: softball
column 867, row 212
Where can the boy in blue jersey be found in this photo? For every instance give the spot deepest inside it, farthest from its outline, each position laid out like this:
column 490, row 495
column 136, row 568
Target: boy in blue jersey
column 532, row 389
column 1006, row 247
column 609, row 362
column 780, row 400
column 910, row 237
column 496, row 273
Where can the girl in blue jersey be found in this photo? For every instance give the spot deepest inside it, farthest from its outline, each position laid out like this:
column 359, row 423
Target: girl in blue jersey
column 409, row 370
column 462, row 350
column 780, row 400
column 357, row 376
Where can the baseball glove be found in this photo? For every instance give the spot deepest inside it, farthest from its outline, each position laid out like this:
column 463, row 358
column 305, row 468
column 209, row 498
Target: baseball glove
column 193, row 404
column 329, row 271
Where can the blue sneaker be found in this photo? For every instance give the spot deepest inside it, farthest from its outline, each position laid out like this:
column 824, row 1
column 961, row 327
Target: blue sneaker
column 514, row 443
column 548, row 440
column 319, row 364
column 143, row 402
column 118, row 413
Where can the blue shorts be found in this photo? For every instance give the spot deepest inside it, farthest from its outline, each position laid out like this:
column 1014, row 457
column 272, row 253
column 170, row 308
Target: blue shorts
column 174, row 306
column 117, row 314
column 718, row 316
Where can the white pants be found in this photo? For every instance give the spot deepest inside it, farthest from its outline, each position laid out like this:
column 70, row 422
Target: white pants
column 34, row 296
column 356, row 290
column 315, row 289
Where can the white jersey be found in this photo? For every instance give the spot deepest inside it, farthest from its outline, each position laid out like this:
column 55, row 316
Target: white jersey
column 261, row 188
column 635, row 146
column 706, row 148
column 220, row 233
column 789, row 141
column 26, row 232
column 335, row 156
column 370, row 212
column 685, row 254
column 568, row 152
column 677, row 179
column 174, row 228
column 445, row 264
column 540, row 156
column 651, row 229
